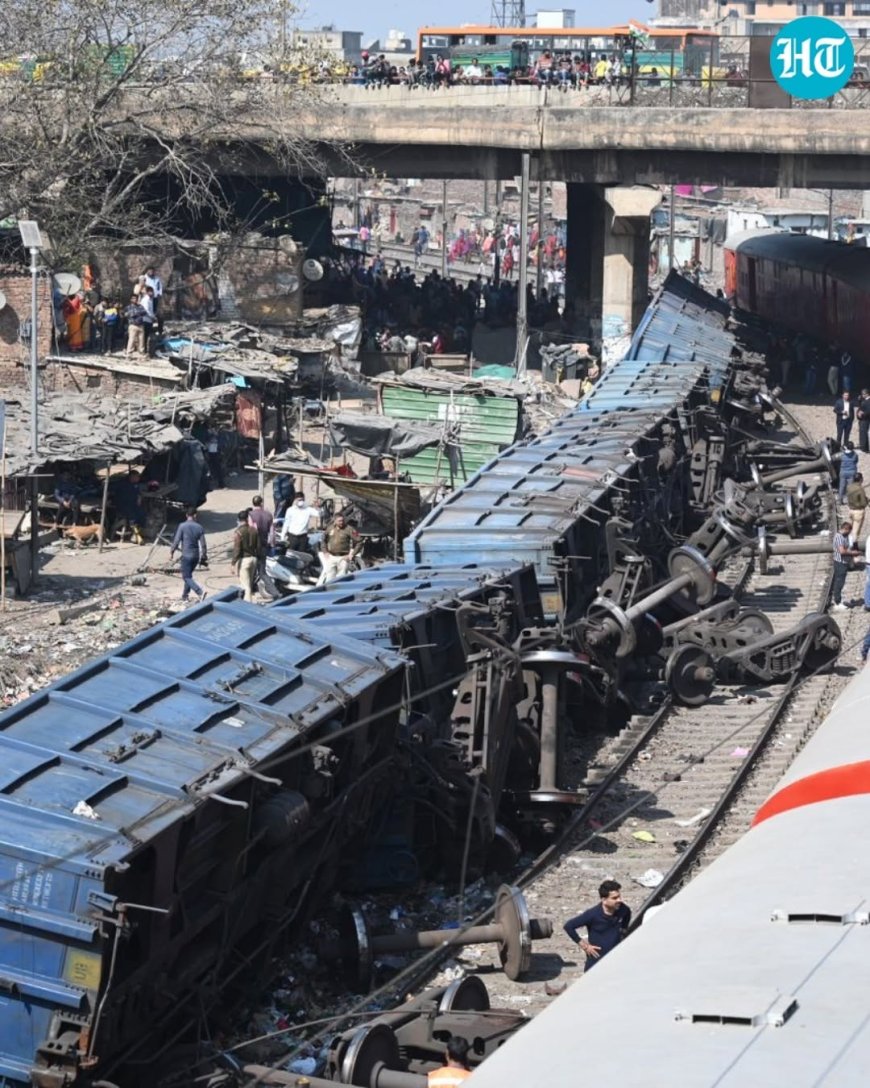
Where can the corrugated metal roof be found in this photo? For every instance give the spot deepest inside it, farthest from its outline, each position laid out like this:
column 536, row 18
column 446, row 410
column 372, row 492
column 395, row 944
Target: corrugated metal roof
column 412, row 609
column 483, row 425
column 135, row 740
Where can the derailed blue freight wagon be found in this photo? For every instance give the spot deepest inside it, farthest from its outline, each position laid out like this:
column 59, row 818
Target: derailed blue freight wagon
column 545, row 502
column 167, row 811
column 460, row 720
column 413, row 609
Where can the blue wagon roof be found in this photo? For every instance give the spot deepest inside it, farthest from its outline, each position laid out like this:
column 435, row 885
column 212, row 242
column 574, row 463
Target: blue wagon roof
column 524, row 502
column 414, row 609
column 683, row 324
column 185, row 709
column 374, row 604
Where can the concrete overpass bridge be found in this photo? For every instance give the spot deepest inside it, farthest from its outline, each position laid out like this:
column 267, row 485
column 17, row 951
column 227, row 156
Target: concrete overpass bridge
column 589, row 136
column 610, row 149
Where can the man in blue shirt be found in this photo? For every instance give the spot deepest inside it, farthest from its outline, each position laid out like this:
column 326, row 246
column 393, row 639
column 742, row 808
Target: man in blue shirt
column 605, row 923
column 190, row 538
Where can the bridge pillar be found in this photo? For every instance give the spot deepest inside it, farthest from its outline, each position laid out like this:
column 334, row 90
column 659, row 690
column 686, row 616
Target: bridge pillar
column 607, row 260
column 584, row 257
column 626, row 257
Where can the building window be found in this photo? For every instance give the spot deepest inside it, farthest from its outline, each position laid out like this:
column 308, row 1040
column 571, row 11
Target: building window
column 750, row 7
column 835, row 9
column 860, row 7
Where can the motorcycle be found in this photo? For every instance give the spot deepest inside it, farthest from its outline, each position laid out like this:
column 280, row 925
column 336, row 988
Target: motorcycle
column 289, row 571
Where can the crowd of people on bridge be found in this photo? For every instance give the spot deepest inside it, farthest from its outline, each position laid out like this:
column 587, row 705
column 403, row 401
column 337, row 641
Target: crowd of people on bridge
column 499, row 245
column 562, row 70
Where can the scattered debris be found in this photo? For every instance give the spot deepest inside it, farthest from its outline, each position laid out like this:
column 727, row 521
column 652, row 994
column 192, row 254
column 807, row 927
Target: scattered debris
column 60, row 616
column 701, row 814
column 650, row 879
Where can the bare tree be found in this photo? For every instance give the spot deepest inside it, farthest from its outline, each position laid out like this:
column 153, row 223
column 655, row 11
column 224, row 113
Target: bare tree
column 117, row 114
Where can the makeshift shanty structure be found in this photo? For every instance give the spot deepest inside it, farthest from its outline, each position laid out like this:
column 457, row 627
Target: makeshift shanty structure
column 476, row 419
column 388, row 507
column 88, row 439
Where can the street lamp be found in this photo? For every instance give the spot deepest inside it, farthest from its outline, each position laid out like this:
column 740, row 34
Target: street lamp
column 31, row 239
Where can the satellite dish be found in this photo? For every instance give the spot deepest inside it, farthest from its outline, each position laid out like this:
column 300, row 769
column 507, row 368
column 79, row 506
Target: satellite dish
column 312, row 270
column 2, row 300
column 67, row 282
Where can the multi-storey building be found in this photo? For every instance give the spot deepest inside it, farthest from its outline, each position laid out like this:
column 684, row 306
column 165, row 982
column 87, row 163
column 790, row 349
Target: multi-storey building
column 762, row 16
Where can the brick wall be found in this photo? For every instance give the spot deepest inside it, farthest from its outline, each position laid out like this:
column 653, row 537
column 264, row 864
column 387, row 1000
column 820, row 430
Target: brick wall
column 15, row 354
column 260, row 281
column 116, row 270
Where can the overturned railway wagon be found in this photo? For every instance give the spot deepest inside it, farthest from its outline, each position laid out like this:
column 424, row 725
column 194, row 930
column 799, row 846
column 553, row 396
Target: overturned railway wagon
column 171, row 810
column 546, row 502
column 163, row 811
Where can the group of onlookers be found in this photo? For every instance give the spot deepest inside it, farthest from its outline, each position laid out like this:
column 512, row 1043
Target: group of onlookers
column 549, row 69
column 89, row 320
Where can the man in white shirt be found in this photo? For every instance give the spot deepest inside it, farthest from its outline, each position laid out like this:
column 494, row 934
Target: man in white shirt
column 146, row 301
column 153, row 281
column 297, row 522
column 473, row 72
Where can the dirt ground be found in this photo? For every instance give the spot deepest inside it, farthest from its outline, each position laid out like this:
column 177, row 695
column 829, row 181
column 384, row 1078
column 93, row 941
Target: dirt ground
column 122, row 598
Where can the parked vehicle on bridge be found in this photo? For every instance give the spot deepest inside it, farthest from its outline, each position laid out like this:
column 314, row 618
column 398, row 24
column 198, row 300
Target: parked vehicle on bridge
column 641, row 49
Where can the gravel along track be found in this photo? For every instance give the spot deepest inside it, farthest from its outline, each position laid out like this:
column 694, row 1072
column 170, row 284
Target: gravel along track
column 663, row 800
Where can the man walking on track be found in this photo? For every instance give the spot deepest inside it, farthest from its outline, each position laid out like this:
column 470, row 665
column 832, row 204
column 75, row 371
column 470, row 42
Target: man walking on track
column 843, row 554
